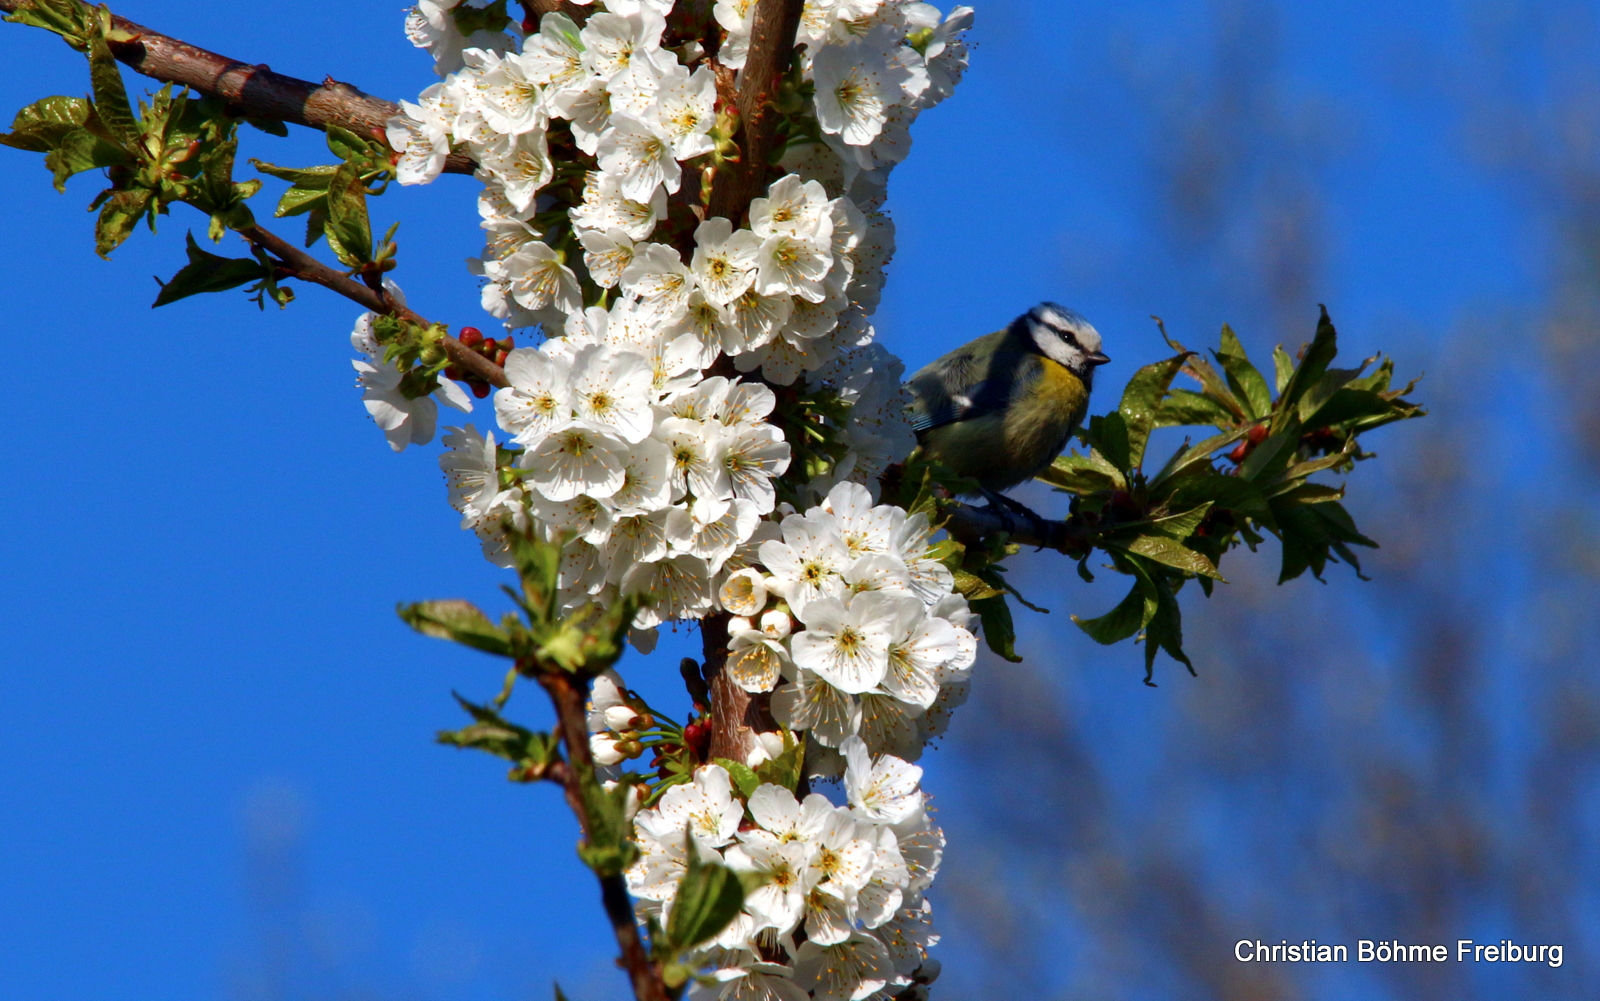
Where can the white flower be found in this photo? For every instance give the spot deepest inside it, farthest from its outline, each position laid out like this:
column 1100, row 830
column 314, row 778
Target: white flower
column 588, row 109
column 744, row 592
column 612, row 42
column 752, row 982
column 405, row 421
column 679, row 587
column 685, row 110
column 752, row 454
column 885, row 791
column 640, row 159
column 747, row 403
column 422, row 138
column 846, row 645
column 646, row 483
column 695, row 448
column 807, row 565
column 606, row 254
column 811, row 704
column 659, row 280
column 736, row 17
column 585, row 517
column 920, row 646
column 785, row 873
column 610, row 391
column 472, row 472
column 512, row 98
column 724, row 261
column 537, row 279
column 538, row 401
column 909, row 936
column 552, row 58
column 636, row 539
column 575, row 460
column 793, row 265
column 793, row 207
column 752, row 319
column 755, row 660
column 521, row 163
column 855, row 86
column 605, row 207
column 706, row 808
column 712, row 528
column 841, row 854
column 847, row 971
column 890, row 726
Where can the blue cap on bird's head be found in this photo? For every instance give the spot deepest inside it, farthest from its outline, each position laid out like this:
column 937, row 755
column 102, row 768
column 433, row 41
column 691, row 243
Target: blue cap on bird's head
column 1063, row 336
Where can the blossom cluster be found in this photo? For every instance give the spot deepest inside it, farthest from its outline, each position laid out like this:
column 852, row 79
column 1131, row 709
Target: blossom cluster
column 845, row 881
column 705, row 420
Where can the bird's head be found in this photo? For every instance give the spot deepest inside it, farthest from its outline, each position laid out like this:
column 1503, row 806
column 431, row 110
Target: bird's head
column 1063, row 336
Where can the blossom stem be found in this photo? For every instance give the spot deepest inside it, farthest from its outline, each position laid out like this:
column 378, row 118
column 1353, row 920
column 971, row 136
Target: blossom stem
column 254, row 91
column 567, row 696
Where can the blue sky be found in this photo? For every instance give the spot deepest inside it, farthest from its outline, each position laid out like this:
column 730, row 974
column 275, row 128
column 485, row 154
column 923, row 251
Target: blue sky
column 205, row 537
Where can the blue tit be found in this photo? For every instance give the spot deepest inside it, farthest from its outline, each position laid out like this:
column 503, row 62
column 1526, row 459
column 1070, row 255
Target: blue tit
column 1000, row 409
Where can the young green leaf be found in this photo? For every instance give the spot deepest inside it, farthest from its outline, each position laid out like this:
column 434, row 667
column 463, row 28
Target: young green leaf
column 1141, row 402
column 1127, row 618
column 709, row 898
column 460, row 621
column 1244, row 378
column 208, row 272
column 998, row 630
column 785, row 770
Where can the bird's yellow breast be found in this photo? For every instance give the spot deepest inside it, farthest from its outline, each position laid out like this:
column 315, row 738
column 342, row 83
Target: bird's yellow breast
column 1002, row 449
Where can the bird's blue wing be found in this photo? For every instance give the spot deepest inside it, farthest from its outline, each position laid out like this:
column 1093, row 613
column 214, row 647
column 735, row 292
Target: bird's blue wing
column 962, row 385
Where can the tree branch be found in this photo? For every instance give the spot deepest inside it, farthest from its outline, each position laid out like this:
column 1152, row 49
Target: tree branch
column 254, row 90
column 972, row 525
column 771, row 49
column 567, row 695
column 303, row 266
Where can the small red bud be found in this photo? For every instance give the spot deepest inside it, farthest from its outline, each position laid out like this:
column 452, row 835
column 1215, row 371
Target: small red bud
column 1240, row 451
column 470, row 336
column 500, row 358
column 451, row 372
column 479, row 389
column 1257, row 435
column 506, row 343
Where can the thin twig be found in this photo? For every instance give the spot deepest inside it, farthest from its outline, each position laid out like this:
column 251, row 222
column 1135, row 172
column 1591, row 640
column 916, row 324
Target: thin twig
column 254, row 90
column 969, row 524
column 567, row 695
column 303, row 266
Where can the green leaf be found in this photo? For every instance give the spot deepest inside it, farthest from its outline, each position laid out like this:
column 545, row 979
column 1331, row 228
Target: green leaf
column 1172, row 553
column 1228, row 493
column 1282, row 368
column 1271, row 456
column 40, row 126
column 1127, row 618
column 207, row 272
column 503, row 739
column 1184, row 407
column 1108, row 435
column 348, row 230
column 120, row 213
column 1164, row 629
column 785, row 770
column 1314, row 363
column 607, row 848
column 1083, row 474
column 1243, row 377
column 1181, row 524
column 1197, row 458
column 743, row 778
column 72, row 20
column 709, row 898
column 111, row 96
column 973, row 587
column 998, row 630
column 1215, row 386
column 80, row 150
column 460, row 621
column 1141, row 401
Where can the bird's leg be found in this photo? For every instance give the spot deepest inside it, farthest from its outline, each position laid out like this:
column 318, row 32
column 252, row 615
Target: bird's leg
column 1001, row 501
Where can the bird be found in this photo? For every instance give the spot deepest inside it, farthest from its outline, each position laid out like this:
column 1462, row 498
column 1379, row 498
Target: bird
column 999, row 409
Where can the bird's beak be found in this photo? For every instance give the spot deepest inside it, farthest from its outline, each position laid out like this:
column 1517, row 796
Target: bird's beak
column 1097, row 358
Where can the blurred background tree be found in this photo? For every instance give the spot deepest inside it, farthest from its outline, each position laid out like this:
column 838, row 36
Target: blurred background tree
column 1417, row 758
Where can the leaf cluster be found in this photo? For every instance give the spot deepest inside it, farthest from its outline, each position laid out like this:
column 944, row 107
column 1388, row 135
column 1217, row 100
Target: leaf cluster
column 1249, row 480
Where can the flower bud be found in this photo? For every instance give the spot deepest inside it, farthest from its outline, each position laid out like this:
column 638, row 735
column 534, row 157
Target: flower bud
column 776, row 624
column 470, row 336
column 744, row 592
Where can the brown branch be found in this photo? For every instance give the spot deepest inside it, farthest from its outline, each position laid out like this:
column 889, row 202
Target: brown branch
column 771, row 50
column 303, row 266
column 567, row 695
column 736, row 715
column 972, row 525
column 254, row 90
